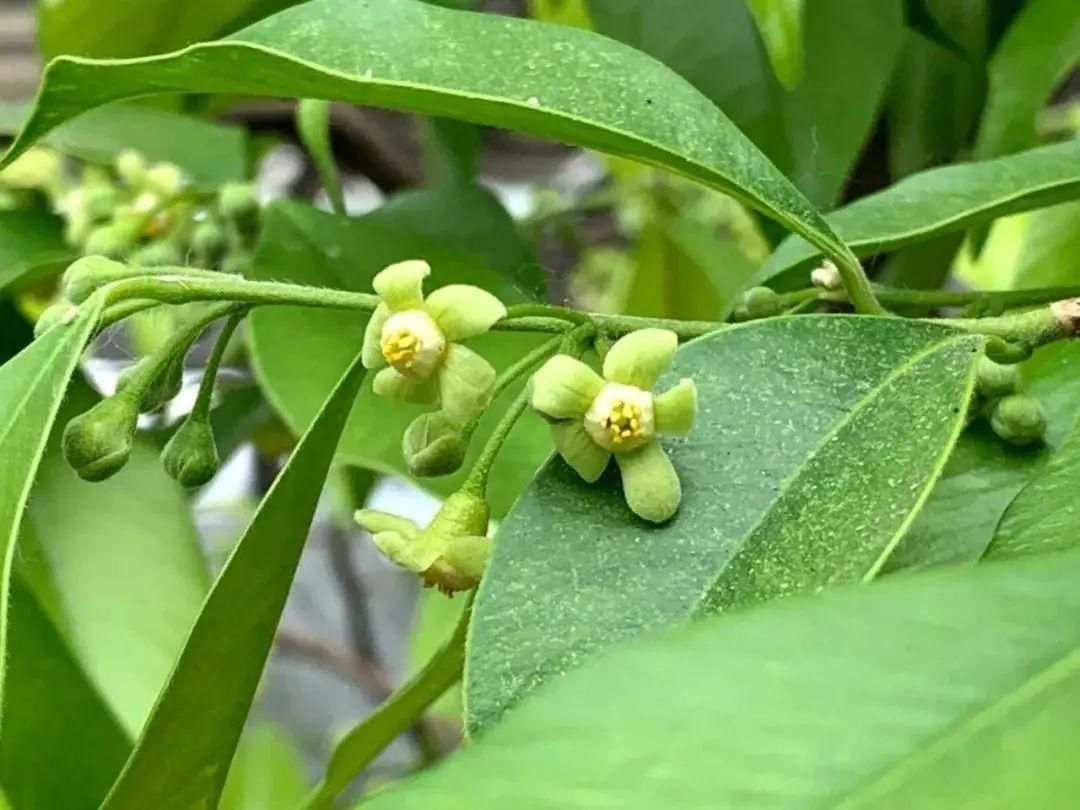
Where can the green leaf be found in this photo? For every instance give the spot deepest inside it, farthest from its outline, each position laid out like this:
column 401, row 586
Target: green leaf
column 984, row 473
column 780, row 24
column 1051, row 243
column 304, row 245
column 776, row 499
column 30, row 240
column 182, row 758
column 59, row 745
column 946, row 690
column 313, row 126
column 939, row 201
column 919, row 17
column 556, row 82
column 813, row 133
column 124, row 562
column 267, row 774
column 210, row 153
column 1038, row 50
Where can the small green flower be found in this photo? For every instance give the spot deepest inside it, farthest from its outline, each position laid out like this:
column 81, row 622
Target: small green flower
column 414, row 340
column 596, row 417
column 450, row 554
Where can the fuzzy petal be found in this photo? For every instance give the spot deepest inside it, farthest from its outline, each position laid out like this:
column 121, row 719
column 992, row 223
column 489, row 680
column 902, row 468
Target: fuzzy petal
column 465, row 381
column 375, row 521
column 564, row 388
column 675, row 409
column 650, row 484
column 390, row 383
column 406, row 551
column 640, row 358
column 578, row 450
column 372, row 356
column 463, row 311
column 401, row 285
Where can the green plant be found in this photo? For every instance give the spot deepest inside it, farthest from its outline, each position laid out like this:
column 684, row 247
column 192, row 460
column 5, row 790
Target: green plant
column 806, row 411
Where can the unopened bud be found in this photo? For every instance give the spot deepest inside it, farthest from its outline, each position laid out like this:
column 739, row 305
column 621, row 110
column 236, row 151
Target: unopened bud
column 131, row 168
column 994, row 379
column 1018, row 419
column 164, row 179
column 827, row 276
column 164, row 253
column 761, row 302
column 61, row 313
column 111, row 241
column 208, row 242
column 84, row 276
column 153, row 387
column 191, row 456
column 239, row 204
column 433, row 445
column 97, row 444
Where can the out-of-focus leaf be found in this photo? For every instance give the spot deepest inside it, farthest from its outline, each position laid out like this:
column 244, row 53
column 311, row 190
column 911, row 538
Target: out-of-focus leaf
column 812, row 133
column 776, row 498
column 553, row 81
column 919, row 17
column 780, row 24
column 947, row 690
column 1047, row 257
column 209, row 153
column 1038, row 50
column 939, row 201
column 30, row 240
column 123, row 560
column 435, row 619
column 267, row 773
column 563, row 12
column 984, row 473
column 311, row 247
column 183, row 755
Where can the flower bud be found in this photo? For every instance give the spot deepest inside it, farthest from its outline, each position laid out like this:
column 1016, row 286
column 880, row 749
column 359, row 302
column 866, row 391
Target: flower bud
column 153, row 391
column 131, row 168
column 463, row 513
column 827, row 277
column 97, row 444
column 761, row 302
column 239, row 204
column 99, row 201
column 994, row 379
column 112, row 241
column 433, row 445
column 236, row 264
column 1018, row 419
column 165, row 253
column 191, row 457
column 36, row 168
column 164, row 179
column 208, row 242
column 63, row 312
column 84, row 276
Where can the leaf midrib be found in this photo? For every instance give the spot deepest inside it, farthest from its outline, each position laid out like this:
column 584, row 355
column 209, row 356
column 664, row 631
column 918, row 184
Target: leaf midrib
column 863, row 402
column 1061, row 668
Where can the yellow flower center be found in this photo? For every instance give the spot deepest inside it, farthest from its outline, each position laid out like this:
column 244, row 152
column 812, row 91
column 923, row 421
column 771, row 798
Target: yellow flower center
column 413, row 344
column 621, row 417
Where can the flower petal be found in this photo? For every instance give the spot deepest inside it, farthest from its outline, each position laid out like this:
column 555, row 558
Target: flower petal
column 371, row 355
column 390, row 383
column 564, row 388
column 467, row 555
column 640, row 358
column 650, row 484
column 578, row 450
column 463, row 311
column 406, row 552
column 465, row 381
column 375, row 521
column 674, row 410
column 401, row 285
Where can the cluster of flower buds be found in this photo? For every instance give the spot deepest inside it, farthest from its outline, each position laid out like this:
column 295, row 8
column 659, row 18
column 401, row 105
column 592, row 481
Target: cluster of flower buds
column 1016, row 417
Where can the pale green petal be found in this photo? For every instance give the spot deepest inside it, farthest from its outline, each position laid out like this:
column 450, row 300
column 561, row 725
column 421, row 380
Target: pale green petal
column 587, row 458
column 468, row 555
column 401, row 285
column 372, row 356
column 406, row 552
column 650, row 484
column 564, row 388
column 375, row 521
column 640, row 358
column 675, row 409
column 463, row 311
column 465, row 381
column 390, row 383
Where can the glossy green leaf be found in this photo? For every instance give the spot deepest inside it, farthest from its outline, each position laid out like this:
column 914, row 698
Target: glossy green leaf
column 780, row 23
column 308, row 246
column 812, row 133
column 59, row 744
column 1038, row 50
column 210, row 153
column 776, row 499
column 947, row 690
column 123, row 560
column 267, row 774
column 984, row 473
column 182, row 758
column 556, row 82
column 30, row 240
column 939, row 201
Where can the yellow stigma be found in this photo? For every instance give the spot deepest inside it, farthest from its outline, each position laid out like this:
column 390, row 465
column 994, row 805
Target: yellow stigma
column 413, row 344
column 621, row 417
column 401, row 347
